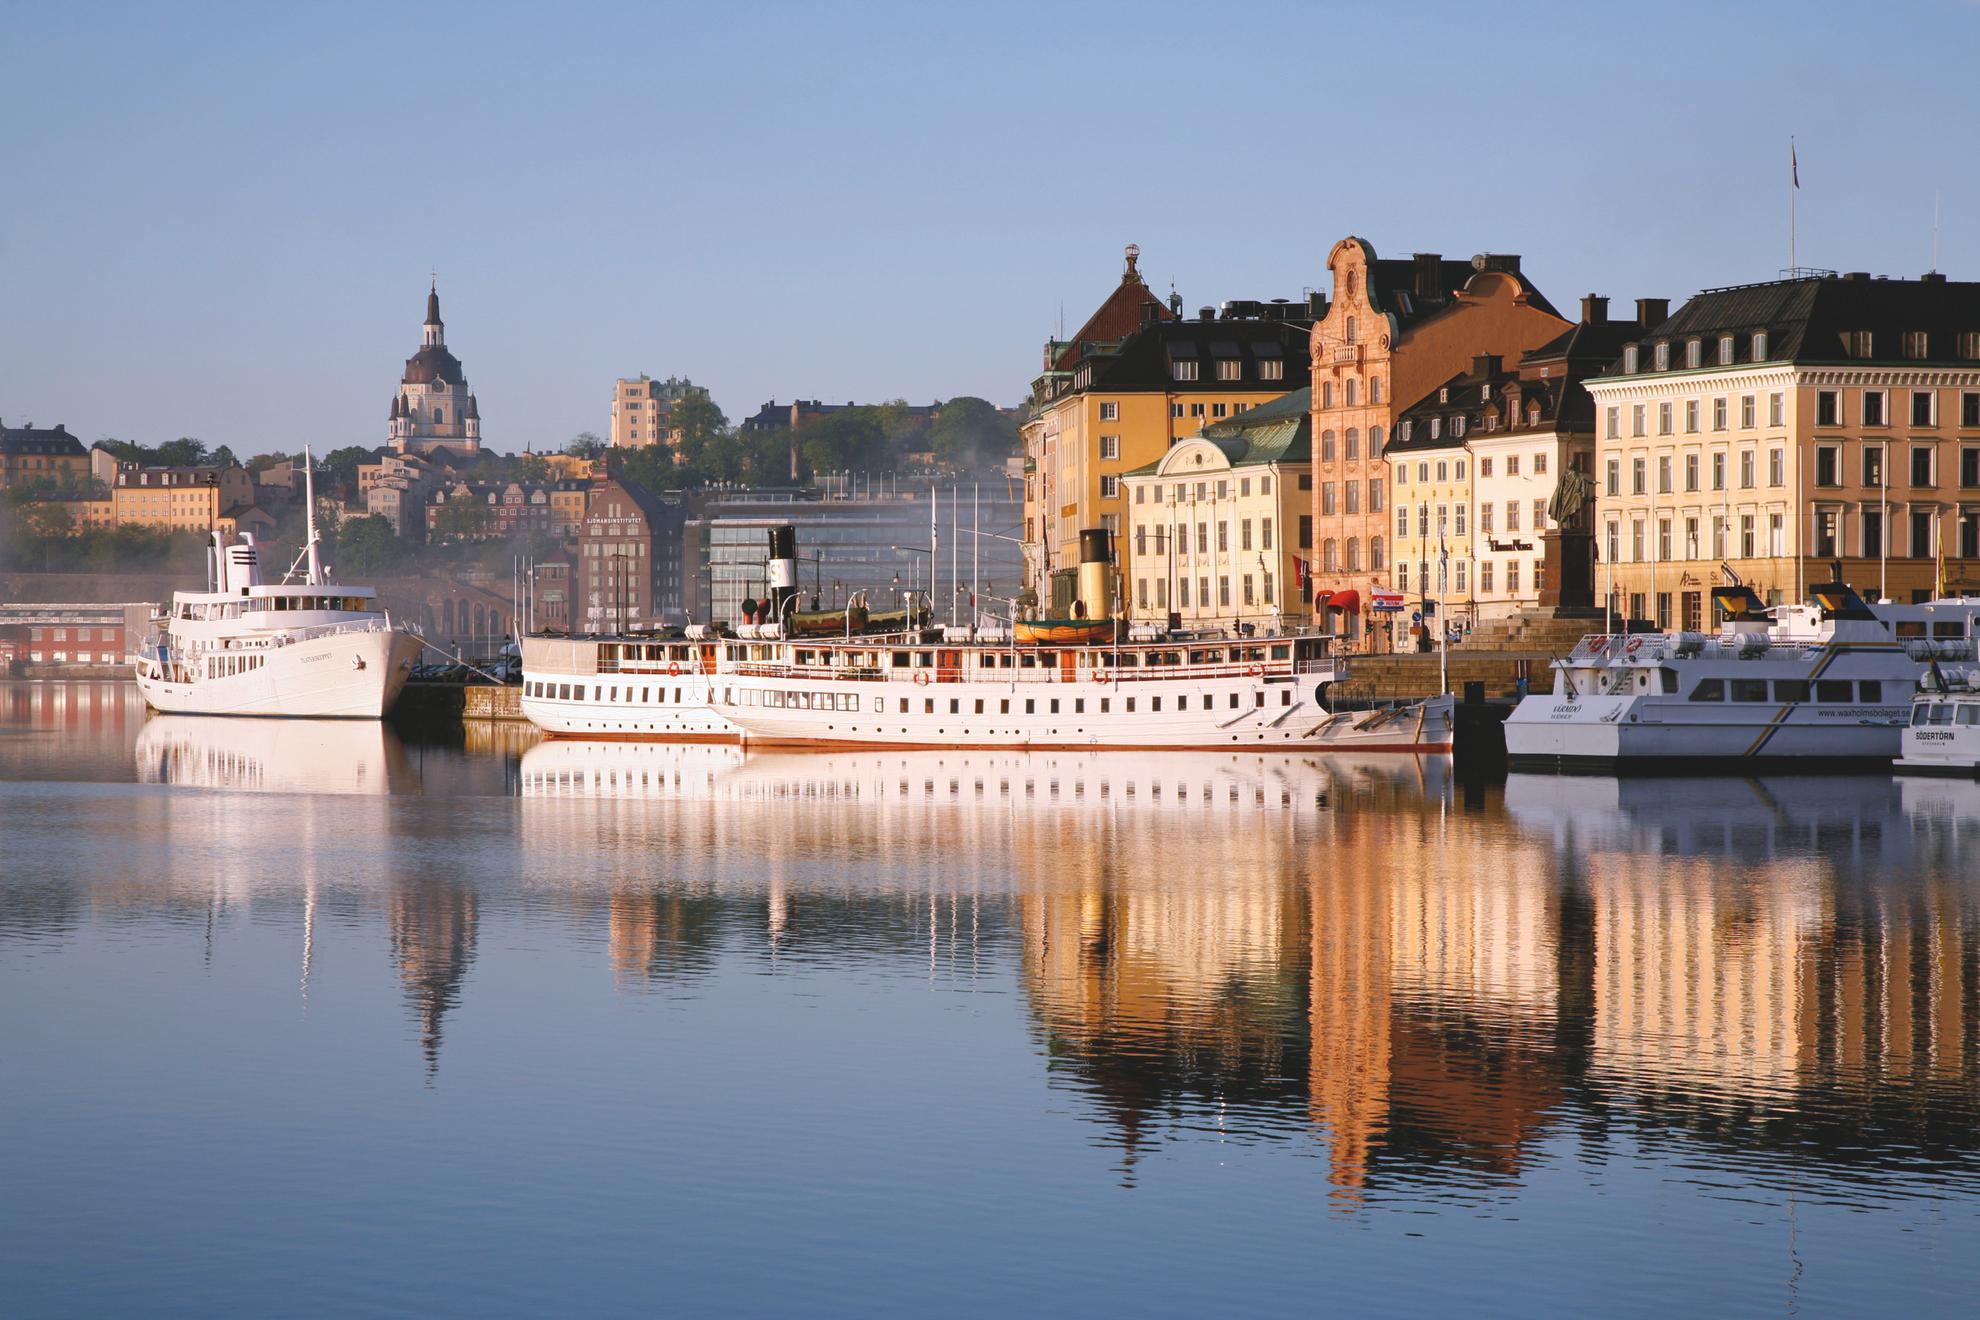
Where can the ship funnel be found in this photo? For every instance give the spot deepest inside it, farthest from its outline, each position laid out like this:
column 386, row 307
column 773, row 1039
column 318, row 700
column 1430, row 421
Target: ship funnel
column 782, row 571
column 243, row 566
column 1096, row 572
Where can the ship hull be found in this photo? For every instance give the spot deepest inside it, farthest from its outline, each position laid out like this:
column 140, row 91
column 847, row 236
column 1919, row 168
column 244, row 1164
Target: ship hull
column 1625, row 735
column 343, row 675
column 625, row 707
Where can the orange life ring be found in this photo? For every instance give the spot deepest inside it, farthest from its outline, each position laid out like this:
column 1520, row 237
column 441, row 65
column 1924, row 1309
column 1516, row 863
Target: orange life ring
column 1256, row 671
column 1100, row 676
column 921, row 678
column 674, row 669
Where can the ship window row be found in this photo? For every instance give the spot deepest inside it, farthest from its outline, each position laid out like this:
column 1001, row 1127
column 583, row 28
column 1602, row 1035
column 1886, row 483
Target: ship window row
column 1867, row 691
column 1945, row 712
column 778, row 699
column 597, row 692
column 226, row 666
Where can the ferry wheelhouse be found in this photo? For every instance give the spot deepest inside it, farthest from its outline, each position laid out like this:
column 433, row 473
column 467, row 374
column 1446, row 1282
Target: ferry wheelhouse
column 1805, row 687
column 1943, row 736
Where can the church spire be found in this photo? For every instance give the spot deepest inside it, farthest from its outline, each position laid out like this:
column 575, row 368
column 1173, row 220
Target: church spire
column 436, row 332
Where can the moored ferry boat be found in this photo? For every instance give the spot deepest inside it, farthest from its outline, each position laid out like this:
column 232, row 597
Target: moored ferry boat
column 654, row 687
column 1826, row 686
column 938, row 687
column 246, row 647
column 1943, row 737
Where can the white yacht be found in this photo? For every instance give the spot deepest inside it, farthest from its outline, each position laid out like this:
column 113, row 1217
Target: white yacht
column 246, row 647
column 1806, row 687
column 623, row 687
column 1943, row 737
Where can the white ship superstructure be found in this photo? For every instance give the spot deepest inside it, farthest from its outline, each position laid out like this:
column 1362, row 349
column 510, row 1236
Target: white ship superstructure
column 1943, row 737
column 1806, row 687
column 246, row 647
column 622, row 687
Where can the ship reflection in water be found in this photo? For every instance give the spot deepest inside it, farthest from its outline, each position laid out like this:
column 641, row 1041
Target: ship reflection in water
column 1753, row 1001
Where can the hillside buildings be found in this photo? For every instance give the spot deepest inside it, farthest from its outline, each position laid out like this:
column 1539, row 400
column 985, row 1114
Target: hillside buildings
column 41, row 456
column 1773, row 429
column 433, row 408
column 643, row 411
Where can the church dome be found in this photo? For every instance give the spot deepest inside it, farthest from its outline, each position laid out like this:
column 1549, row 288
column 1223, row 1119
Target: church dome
column 430, row 364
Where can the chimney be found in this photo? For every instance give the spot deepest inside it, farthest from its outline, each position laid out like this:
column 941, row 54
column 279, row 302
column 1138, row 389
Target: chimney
column 1933, row 277
column 1594, row 309
column 1316, row 305
column 1652, row 311
column 1206, row 313
column 1485, row 364
column 1150, row 314
column 1857, row 275
column 1425, row 273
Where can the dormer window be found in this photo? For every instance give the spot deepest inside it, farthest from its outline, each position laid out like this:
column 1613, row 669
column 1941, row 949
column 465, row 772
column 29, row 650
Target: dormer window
column 1725, row 350
column 1760, row 346
column 1858, row 343
column 1915, row 344
column 1694, row 353
column 1630, row 359
column 1407, row 428
column 1436, row 428
column 1662, row 355
column 1457, row 426
column 1444, row 394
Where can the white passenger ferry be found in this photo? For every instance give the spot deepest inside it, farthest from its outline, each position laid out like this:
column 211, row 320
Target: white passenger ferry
column 623, row 687
column 1075, row 682
column 1943, row 737
column 246, row 647
column 1807, row 687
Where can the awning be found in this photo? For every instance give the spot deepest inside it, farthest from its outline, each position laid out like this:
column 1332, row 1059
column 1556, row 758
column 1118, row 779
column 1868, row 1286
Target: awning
column 1350, row 601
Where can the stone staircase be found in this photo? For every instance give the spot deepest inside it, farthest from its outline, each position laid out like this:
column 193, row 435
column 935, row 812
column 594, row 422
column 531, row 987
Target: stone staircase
column 1529, row 633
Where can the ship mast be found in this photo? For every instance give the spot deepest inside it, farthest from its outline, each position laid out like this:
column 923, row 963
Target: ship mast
column 315, row 578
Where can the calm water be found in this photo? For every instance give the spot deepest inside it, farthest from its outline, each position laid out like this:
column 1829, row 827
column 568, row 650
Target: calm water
column 305, row 1020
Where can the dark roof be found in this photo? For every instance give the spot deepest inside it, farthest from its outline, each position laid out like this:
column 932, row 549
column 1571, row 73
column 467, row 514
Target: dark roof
column 1414, row 288
column 433, row 304
column 433, row 363
column 1551, row 376
column 1277, row 432
column 1143, row 360
column 54, row 440
column 1815, row 319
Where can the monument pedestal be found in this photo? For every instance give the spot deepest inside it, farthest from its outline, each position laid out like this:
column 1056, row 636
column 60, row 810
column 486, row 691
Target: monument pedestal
column 1569, row 556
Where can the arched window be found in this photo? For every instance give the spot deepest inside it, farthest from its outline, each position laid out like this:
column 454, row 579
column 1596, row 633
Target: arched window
column 1326, row 446
column 1352, row 391
column 1330, row 555
column 1354, row 554
column 1326, row 394
column 439, row 414
column 1374, row 442
column 1350, row 330
column 1375, row 390
column 1375, row 553
column 1352, row 448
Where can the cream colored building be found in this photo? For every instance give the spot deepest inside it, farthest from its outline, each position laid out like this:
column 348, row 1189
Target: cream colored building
column 1775, row 428
column 190, row 499
column 1213, row 524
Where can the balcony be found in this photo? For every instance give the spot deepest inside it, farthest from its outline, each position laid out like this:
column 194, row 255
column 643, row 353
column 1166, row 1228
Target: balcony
column 1347, row 355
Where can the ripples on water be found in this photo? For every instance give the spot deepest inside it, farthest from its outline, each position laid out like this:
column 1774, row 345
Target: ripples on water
column 521, row 1025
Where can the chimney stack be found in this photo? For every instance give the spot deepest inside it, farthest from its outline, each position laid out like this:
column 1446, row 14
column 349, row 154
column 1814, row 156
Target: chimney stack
column 1425, row 273
column 1652, row 312
column 1594, row 309
column 1485, row 364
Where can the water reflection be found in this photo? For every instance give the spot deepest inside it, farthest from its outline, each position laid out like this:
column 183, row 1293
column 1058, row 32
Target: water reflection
column 1432, row 994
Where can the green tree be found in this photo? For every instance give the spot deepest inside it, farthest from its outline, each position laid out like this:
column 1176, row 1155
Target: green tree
column 222, row 457
column 970, row 434
column 368, row 547
column 341, row 465
column 855, row 439
column 585, row 444
column 463, row 517
column 266, row 462
column 125, row 451
column 186, row 451
column 531, row 467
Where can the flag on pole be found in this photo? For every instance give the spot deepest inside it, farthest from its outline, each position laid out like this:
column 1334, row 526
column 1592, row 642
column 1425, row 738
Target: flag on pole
column 1794, row 164
column 1300, row 573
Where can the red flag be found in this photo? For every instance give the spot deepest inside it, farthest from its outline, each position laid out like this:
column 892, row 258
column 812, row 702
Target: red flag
column 1299, row 571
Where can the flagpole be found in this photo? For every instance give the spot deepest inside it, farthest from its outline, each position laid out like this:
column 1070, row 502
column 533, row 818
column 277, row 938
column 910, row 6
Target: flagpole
column 1794, row 186
column 1884, row 524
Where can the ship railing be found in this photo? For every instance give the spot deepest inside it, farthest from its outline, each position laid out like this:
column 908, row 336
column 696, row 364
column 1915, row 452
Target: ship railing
column 1000, row 676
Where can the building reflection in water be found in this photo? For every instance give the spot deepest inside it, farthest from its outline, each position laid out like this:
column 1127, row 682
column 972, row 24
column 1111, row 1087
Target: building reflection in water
column 432, row 923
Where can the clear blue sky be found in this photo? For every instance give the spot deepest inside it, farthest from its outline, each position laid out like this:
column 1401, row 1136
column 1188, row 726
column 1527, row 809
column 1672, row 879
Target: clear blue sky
column 219, row 219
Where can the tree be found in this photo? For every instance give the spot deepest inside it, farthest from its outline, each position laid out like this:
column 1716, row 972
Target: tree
column 186, row 451
column 970, row 434
column 585, row 444
column 125, row 451
column 368, row 547
column 463, row 516
column 852, row 439
column 341, row 465
column 266, row 462
column 222, row 457
column 533, row 468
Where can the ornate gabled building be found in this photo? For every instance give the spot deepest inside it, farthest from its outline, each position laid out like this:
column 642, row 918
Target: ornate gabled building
column 433, row 409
